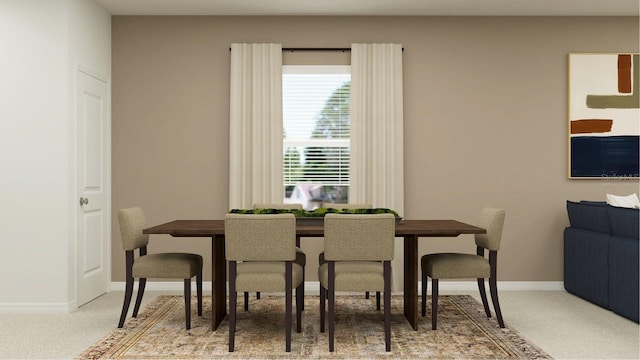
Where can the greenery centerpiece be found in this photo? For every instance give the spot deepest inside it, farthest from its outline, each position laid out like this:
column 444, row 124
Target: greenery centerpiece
column 317, row 213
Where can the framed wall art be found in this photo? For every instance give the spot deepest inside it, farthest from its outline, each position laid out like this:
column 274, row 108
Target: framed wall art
column 604, row 115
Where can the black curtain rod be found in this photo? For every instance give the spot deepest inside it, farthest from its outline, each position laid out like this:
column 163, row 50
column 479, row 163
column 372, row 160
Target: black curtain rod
column 316, row 49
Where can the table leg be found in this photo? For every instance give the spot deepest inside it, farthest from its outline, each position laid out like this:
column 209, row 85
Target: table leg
column 218, row 279
column 411, row 280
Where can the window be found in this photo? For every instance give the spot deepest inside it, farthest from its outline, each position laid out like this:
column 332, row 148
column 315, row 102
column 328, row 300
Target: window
column 316, row 139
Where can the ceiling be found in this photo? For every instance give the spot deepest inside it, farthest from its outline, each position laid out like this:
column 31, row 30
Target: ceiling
column 375, row 7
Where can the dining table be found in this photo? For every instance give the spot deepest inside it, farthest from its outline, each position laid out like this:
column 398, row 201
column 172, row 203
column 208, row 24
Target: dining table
column 410, row 230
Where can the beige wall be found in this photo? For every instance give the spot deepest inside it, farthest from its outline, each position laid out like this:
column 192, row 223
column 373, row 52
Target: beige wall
column 485, row 120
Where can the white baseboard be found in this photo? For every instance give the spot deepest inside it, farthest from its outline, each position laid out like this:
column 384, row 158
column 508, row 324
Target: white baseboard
column 502, row 286
column 38, row 308
column 312, row 287
column 161, row 286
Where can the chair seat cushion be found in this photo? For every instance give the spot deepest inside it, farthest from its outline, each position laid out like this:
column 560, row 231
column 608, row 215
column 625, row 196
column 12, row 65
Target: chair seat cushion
column 265, row 276
column 354, row 276
column 455, row 266
column 167, row 266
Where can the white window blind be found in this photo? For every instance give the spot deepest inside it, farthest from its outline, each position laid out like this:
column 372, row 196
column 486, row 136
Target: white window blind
column 316, row 139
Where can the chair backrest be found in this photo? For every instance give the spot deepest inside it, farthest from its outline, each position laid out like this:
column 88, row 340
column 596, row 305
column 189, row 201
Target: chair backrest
column 295, row 206
column 492, row 220
column 268, row 237
column 359, row 237
column 132, row 222
column 346, row 206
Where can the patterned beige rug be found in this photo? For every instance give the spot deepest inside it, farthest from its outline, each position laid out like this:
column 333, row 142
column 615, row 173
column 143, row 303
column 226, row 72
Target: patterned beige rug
column 463, row 333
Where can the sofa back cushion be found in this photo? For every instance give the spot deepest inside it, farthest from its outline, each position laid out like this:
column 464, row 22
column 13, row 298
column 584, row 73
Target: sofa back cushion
column 624, row 222
column 589, row 216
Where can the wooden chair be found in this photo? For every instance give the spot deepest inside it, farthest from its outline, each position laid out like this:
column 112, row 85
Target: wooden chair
column 464, row 266
column 261, row 250
column 165, row 265
column 358, row 252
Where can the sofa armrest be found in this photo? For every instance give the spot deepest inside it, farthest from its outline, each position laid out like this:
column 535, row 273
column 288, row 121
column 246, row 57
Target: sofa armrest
column 586, row 265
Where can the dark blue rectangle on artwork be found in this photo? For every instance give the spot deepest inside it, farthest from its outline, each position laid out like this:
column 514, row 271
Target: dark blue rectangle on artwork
column 606, row 156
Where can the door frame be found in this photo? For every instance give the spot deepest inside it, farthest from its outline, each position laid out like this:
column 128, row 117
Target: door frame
column 74, row 262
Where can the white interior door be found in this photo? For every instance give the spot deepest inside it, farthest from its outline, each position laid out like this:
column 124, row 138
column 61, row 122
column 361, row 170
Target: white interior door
column 93, row 202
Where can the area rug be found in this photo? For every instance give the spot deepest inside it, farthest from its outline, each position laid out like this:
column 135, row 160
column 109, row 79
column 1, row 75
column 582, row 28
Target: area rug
column 464, row 332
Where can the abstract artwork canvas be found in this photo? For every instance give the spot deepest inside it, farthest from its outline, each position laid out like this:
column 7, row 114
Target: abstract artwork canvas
column 604, row 116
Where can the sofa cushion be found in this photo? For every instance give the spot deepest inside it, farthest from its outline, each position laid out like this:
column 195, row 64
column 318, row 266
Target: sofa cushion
column 589, row 216
column 624, row 222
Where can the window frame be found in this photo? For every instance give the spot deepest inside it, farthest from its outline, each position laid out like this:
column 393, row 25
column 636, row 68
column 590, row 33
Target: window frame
column 300, row 143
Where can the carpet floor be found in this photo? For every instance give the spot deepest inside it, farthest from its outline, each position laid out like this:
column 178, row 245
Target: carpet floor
column 464, row 332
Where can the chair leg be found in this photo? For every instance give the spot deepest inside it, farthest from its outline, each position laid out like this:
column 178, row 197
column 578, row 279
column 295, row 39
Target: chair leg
column 246, row 299
column 199, row 291
column 496, row 304
column 128, row 291
column 483, row 296
column 303, row 273
column 299, row 303
column 434, row 304
column 332, row 303
column 481, row 288
column 493, row 262
column 142, row 282
column 187, row 302
column 323, row 298
column 288, row 303
column 387, row 305
column 424, row 294
column 302, row 291
column 233, row 295
column 378, row 300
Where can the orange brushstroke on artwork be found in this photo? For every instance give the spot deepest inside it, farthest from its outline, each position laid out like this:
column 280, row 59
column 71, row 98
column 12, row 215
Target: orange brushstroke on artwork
column 624, row 73
column 587, row 126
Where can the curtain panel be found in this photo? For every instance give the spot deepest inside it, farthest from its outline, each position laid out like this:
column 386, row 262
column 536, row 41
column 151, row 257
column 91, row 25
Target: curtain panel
column 255, row 129
column 377, row 170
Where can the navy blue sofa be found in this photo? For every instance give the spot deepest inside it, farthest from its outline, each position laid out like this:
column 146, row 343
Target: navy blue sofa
column 601, row 256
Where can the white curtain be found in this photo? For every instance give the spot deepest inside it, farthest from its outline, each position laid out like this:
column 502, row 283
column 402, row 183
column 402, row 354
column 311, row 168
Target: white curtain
column 255, row 129
column 377, row 171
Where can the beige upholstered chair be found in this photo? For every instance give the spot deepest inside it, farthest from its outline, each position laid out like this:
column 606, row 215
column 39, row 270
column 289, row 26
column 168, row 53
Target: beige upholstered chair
column 464, row 266
column 164, row 266
column 321, row 259
column 358, row 250
column 301, row 257
column 261, row 250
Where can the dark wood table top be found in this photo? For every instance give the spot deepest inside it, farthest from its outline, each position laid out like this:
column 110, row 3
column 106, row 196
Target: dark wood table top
column 421, row 228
